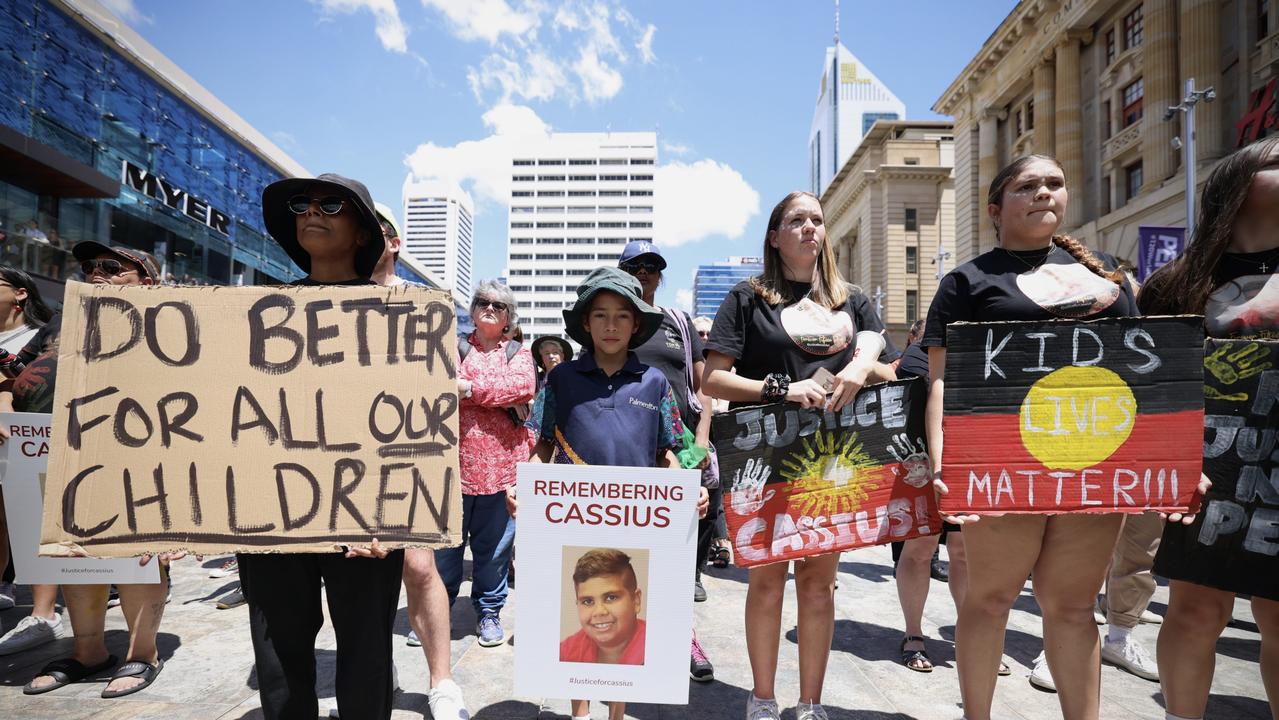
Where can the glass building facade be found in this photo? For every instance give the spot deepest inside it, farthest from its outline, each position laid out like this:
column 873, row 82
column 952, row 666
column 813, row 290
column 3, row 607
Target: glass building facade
column 713, row 281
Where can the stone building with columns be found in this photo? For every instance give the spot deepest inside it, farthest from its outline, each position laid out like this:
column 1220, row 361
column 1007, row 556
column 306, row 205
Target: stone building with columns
column 890, row 214
column 1089, row 81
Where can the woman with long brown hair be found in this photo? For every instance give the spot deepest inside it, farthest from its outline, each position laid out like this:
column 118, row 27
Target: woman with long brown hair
column 778, row 329
column 1227, row 274
column 1034, row 274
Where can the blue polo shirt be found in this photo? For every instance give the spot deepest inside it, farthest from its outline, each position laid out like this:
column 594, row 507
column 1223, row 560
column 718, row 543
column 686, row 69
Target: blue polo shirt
column 596, row 419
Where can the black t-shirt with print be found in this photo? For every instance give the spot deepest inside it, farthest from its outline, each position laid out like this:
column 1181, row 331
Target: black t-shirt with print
column 795, row 338
column 665, row 351
column 914, row 362
column 1245, row 301
column 1003, row 285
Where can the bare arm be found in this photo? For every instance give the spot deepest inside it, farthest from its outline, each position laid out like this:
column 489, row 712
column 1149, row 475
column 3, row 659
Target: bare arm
column 933, row 420
column 702, row 434
column 864, row 369
column 722, row 383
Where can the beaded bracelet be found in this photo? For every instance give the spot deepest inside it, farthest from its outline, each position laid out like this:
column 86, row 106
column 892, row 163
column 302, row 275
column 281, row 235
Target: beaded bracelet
column 776, row 385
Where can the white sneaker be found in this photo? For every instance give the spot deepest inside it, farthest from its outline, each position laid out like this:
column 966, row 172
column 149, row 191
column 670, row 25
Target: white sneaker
column 1131, row 656
column 1099, row 612
column 227, row 569
column 1040, row 676
column 757, row 709
column 32, row 631
column 8, row 595
column 806, row 711
column 1150, row 618
column 446, row 702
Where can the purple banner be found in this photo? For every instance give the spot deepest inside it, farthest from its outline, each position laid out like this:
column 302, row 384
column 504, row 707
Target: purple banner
column 1156, row 246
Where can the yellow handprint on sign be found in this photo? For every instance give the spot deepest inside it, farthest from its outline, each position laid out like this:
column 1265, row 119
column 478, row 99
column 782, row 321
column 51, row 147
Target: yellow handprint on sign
column 1232, row 363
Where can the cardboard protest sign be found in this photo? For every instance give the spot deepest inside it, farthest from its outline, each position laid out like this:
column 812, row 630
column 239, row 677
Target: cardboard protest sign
column 1068, row 416
column 805, row 482
column 26, row 460
column 253, row 419
column 611, row 550
column 1234, row 542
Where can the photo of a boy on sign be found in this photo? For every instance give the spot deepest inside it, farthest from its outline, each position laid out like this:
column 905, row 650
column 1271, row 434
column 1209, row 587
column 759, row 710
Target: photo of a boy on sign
column 605, row 624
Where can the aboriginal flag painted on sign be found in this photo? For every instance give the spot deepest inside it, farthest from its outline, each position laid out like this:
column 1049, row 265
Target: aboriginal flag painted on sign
column 1070, row 416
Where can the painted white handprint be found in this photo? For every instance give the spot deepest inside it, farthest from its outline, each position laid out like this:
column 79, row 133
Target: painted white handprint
column 748, row 487
column 913, row 457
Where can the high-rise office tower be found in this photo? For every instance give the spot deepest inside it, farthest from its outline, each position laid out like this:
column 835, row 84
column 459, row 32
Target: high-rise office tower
column 438, row 233
column 849, row 102
column 576, row 200
column 712, row 282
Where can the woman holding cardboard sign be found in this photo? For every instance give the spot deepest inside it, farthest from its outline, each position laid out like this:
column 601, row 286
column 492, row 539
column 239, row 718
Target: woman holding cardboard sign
column 1227, row 274
column 779, row 329
column 1034, row 274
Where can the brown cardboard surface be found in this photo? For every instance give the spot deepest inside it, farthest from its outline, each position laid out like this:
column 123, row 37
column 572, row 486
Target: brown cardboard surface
column 253, row 419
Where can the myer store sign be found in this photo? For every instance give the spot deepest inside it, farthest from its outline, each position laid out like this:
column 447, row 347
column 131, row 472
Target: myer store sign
column 174, row 197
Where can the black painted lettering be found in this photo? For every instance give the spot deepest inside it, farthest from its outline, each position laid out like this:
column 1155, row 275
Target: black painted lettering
column 317, row 333
column 379, row 518
column 341, row 492
column 76, row 428
column 439, row 513
column 439, row 416
column 127, row 407
column 260, row 333
column 385, row 398
column 393, row 312
column 191, row 334
column 290, row 522
column 233, row 513
column 69, row 495
column 431, row 329
column 93, row 317
column 286, row 428
column 131, row 503
column 244, row 395
column 361, row 307
column 193, row 484
column 176, row 424
column 322, row 434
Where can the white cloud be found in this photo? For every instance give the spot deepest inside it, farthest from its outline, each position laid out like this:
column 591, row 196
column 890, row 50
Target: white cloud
column 675, row 148
column 684, row 300
column 487, row 20
column 127, row 11
column 698, row 200
column 645, row 45
column 482, row 166
column 390, row 29
column 538, row 78
column 599, row 80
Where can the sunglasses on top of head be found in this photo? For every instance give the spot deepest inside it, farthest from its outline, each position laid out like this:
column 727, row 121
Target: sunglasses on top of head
column 330, row 205
column 634, row 266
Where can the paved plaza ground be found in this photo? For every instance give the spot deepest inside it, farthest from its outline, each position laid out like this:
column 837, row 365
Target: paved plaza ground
column 209, row 662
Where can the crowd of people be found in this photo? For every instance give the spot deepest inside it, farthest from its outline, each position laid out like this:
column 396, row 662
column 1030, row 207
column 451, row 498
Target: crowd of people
column 797, row 333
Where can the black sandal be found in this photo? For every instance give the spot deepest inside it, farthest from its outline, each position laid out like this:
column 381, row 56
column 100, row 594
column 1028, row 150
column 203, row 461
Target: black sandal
column 721, row 556
column 66, row 671
column 916, row 656
column 135, row 668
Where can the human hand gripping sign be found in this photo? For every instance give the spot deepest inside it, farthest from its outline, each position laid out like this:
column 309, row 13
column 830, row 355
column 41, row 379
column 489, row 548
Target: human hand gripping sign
column 749, row 483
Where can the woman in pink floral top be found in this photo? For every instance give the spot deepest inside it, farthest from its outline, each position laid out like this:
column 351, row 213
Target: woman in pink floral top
column 492, row 383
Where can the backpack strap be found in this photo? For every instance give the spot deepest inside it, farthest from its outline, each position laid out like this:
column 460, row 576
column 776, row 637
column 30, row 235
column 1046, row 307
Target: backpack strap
column 681, row 323
column 512, row 349
column 464, row 348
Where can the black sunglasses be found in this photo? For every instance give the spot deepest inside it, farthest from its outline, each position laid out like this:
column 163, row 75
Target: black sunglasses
column 331, row 205
column 634, row 266
column 498, row 306
column 109, row 267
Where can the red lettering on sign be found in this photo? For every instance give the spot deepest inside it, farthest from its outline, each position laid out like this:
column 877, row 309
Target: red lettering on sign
column 1263, row 114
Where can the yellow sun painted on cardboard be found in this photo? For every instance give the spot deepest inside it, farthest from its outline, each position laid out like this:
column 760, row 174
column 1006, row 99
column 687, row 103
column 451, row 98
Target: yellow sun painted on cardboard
column 830, row 475
column 1076, row 417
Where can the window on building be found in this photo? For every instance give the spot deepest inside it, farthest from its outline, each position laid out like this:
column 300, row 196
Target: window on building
column 1105, row 195
column 550, row 162
column 1132, row 28
column 912, row 260
column 522, row 178
column 1263, row 19
column 1107, row 122
column 1133, row 180
column 1030, row 115
column 1110, row 47
column 1132, row 102
column 869, row 119
column 912, row 306
column 523, row 162
column 521, row 193
column 581, row 162
column 1020, row 128
column 911, row 160
column 912, row 220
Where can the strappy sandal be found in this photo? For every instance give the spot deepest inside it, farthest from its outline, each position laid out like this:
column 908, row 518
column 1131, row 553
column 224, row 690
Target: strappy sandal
column 721, row 556
column 916, row 660
column 135, row 668
column 66, row 671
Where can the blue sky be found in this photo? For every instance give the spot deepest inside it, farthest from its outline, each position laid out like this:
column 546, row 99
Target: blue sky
column 377, row 89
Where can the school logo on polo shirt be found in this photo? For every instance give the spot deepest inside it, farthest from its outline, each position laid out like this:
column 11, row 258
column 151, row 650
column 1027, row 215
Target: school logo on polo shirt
column 641, row 404
column 817, row 329
column 1068, row 291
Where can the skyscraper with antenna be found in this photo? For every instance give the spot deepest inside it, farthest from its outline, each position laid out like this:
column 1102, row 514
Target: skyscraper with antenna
column 849, row 101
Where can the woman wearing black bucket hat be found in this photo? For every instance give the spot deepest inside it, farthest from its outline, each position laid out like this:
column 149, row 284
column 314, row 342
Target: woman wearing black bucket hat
column 330, row 229
column 327, row 225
